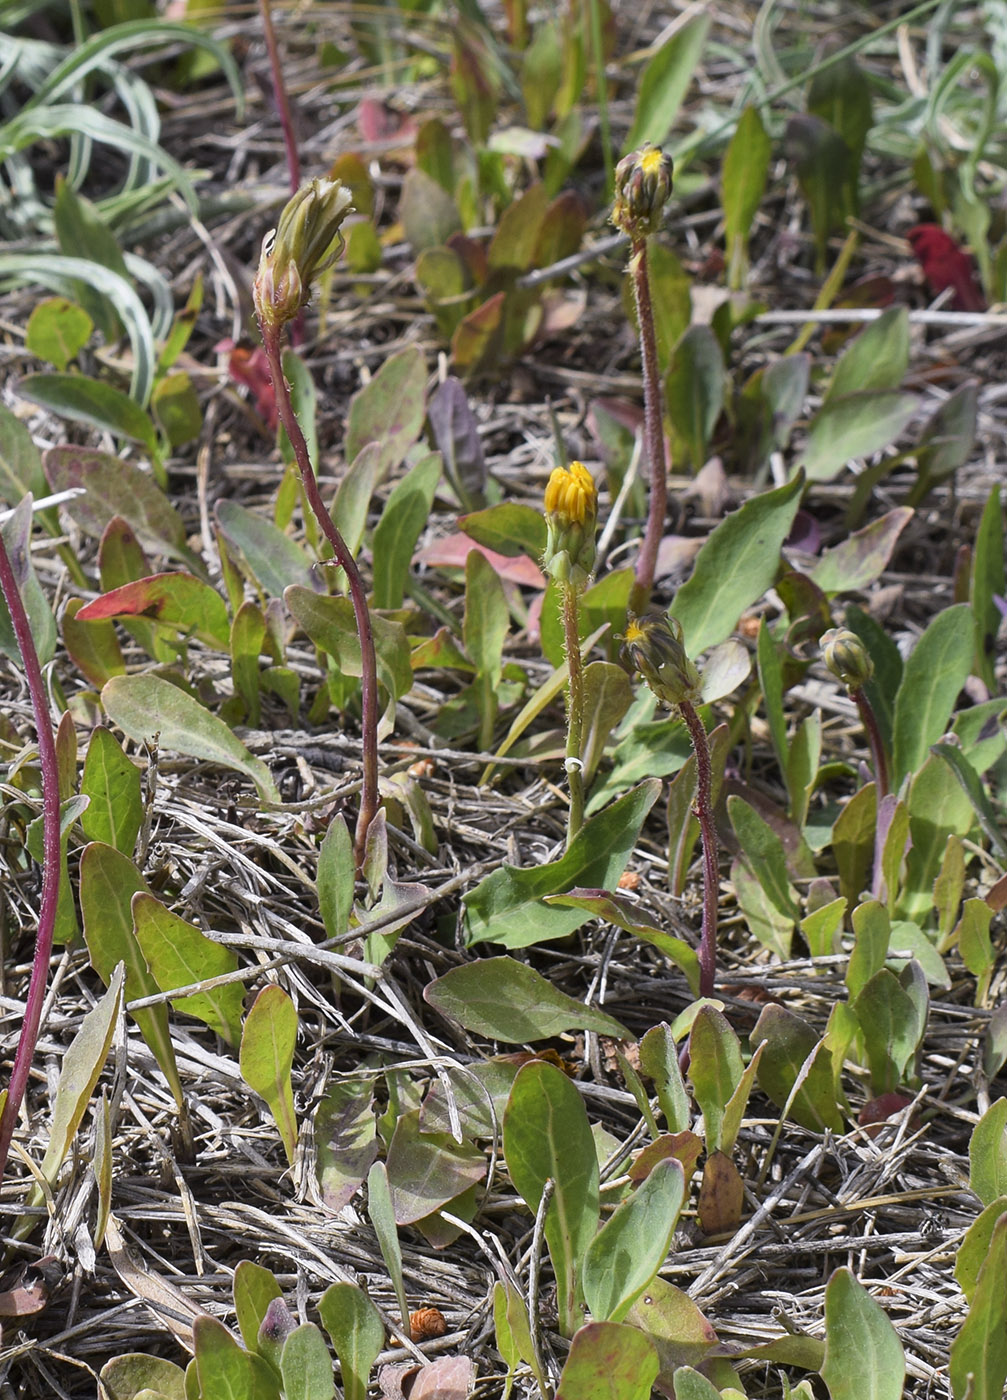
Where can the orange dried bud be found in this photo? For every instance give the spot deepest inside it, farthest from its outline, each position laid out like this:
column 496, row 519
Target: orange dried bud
column 427, row 1323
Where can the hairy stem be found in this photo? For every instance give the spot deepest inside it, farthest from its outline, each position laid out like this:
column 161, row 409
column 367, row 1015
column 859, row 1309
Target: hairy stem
column 50, row 855
column 569, row 604
column 653, row 427
column 870, row 722
column 358, row 595
column 708, row 834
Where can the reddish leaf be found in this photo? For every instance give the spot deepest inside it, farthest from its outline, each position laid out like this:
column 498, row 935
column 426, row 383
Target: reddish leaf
column 251, row 368
column 945, row 265
column 685, row 1147
column 721, row 1195
column 452, row 551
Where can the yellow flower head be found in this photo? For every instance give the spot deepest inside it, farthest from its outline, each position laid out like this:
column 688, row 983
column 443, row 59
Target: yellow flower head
column 654, row 646
column 846, row 657
column 571, row 517
column 304, row 243
column 643, row 183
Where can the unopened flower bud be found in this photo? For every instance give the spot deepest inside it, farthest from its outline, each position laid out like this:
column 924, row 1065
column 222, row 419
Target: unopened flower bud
column 846, row 657
column 642, row 188
column 654, row 646
column 571, row 517
column 304, row 243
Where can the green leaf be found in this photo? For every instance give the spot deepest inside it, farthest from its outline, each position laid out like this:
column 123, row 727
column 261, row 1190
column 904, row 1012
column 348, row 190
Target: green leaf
column 664, row 83
column 57, row 331
column 631, row 1246
column 179, row 956
column 506, row 1000
column 988, row 1153
column 975, row 1247
column 789, row 1043
column 255, row 1288
column 854, row 426
column 91, row 401
column 382, row 1217
column 345, row 1139
column 694, row 390
column 273, row 558
column 406, row 512
column 547, row 1137
column 860, row 559
column 305, row 1365
column 336, row 873
column 429, row 214
column 487, row 617
column 82, row 1064
column 114, row 488
column 108, row 882
column 176, row 600
column 508, row 528
column 608, row 694
column 305, row 400
column 390, row 409
column 743, row 183
column 619, row 911
column 608, row 1361
column 353, row 495
column 693, row 1385
column 877, row 358
column 331, row 624
column 674, row 1326
column 735, row 566
column 935, row 672
column 659, row 1060
column 891, row 1027
column 176, row 408
column 147, row 706
column 16, row 530
column 427, row 1170
column 863, row 1355
column 357, row 1332
column 988, row 581
column 21, row 462
column 266, row 1058
column 979, row 1353
column 714, row 1069
column 112, row 784
column 507, row 906
column 125, row 1377
column 225, row 1371
column 763, row 852
column 946, row 441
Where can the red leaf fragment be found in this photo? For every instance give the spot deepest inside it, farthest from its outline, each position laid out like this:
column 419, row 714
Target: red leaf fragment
column 947, row 266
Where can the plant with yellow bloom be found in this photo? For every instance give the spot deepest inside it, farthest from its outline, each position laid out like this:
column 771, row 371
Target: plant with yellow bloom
column 571, row 518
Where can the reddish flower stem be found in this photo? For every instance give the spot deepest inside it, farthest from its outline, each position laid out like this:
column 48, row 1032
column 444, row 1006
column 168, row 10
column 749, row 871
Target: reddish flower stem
column 708, row 833
column 50, row 856
column 653, row 429
column 358, row 595
column 869, row 720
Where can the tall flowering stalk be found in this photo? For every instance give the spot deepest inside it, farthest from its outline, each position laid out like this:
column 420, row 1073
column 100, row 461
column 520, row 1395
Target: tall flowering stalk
column 850, row 662
column 304, row 244
column 654, row 646
column 571, row 516
column 643, row 183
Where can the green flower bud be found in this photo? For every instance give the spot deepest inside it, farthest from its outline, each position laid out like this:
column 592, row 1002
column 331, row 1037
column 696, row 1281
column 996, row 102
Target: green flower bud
column 654, row 646
column 643, row 183
column 846, row 657
column 305, row 242
column 571, row 518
